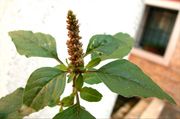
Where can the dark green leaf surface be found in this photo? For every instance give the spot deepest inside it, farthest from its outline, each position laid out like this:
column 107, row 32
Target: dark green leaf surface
column 68, row 101
column 10, row 105
column 91, row 78
column 93, row 63
column 125, row 78
column 79, row 82
column 74, row 112
column 90, row 94
column 34, row 44
column 44, row 87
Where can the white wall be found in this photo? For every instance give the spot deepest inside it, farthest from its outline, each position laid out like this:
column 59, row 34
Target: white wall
column 49, row 16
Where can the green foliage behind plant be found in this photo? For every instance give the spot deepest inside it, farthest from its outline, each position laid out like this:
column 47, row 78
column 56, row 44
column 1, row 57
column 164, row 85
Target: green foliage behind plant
column 46, row 85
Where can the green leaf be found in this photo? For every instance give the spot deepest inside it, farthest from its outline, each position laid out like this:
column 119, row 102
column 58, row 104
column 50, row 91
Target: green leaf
column 74, row 112
column 110, row 47
column 34, row 44
column 68, row 101
column 90, row 94
column 102, row 44
column 126, row 43
column 125, row 78
column 11, row 104
column 91, row 78
column 93, row 63
column 61, row 67
column 44, row 87
column 70, row 77
column 79, row 82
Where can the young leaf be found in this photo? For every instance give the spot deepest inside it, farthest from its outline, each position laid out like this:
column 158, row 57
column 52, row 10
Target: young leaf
column 70, row 77
column 74, row 112
column 102, row 44
column 127, row 79
column 44, row 87
column 90, row 94
column 61, row 67
column 34, row 44
column 11, row 104
column 93, row 63
column 68, row 101
column 91, row 78
column 110, row 47
column 79, row 82
column 125, row 46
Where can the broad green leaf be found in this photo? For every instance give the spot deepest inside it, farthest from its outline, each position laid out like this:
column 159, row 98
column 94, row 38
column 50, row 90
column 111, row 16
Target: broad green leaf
column 68, row 101
column 74, row 112
column 90, row 94
column 93, row 63
column 44, row 87
column 102, row 44
column 79, row 82
column 34, row 44
column 91, row 78
column 11, row 104
column 125, row 46
column 125, row 78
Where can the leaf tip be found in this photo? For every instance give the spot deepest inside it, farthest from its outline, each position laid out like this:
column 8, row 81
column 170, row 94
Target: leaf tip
column 171, row 100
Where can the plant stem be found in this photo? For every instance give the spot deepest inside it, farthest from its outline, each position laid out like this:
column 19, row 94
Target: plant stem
column 85, row 55
column 77, row 98
column 59, row 61
column 73, row 85
column 75, row 91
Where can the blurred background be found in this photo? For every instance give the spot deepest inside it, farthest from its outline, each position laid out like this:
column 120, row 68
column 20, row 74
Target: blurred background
column 154, row 24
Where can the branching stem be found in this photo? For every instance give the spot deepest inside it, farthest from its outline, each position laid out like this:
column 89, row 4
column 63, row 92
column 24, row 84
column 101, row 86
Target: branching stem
column 75, row 91
column 73, row 85
column 59, row 61
column 85, row 55
column 77, row 98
